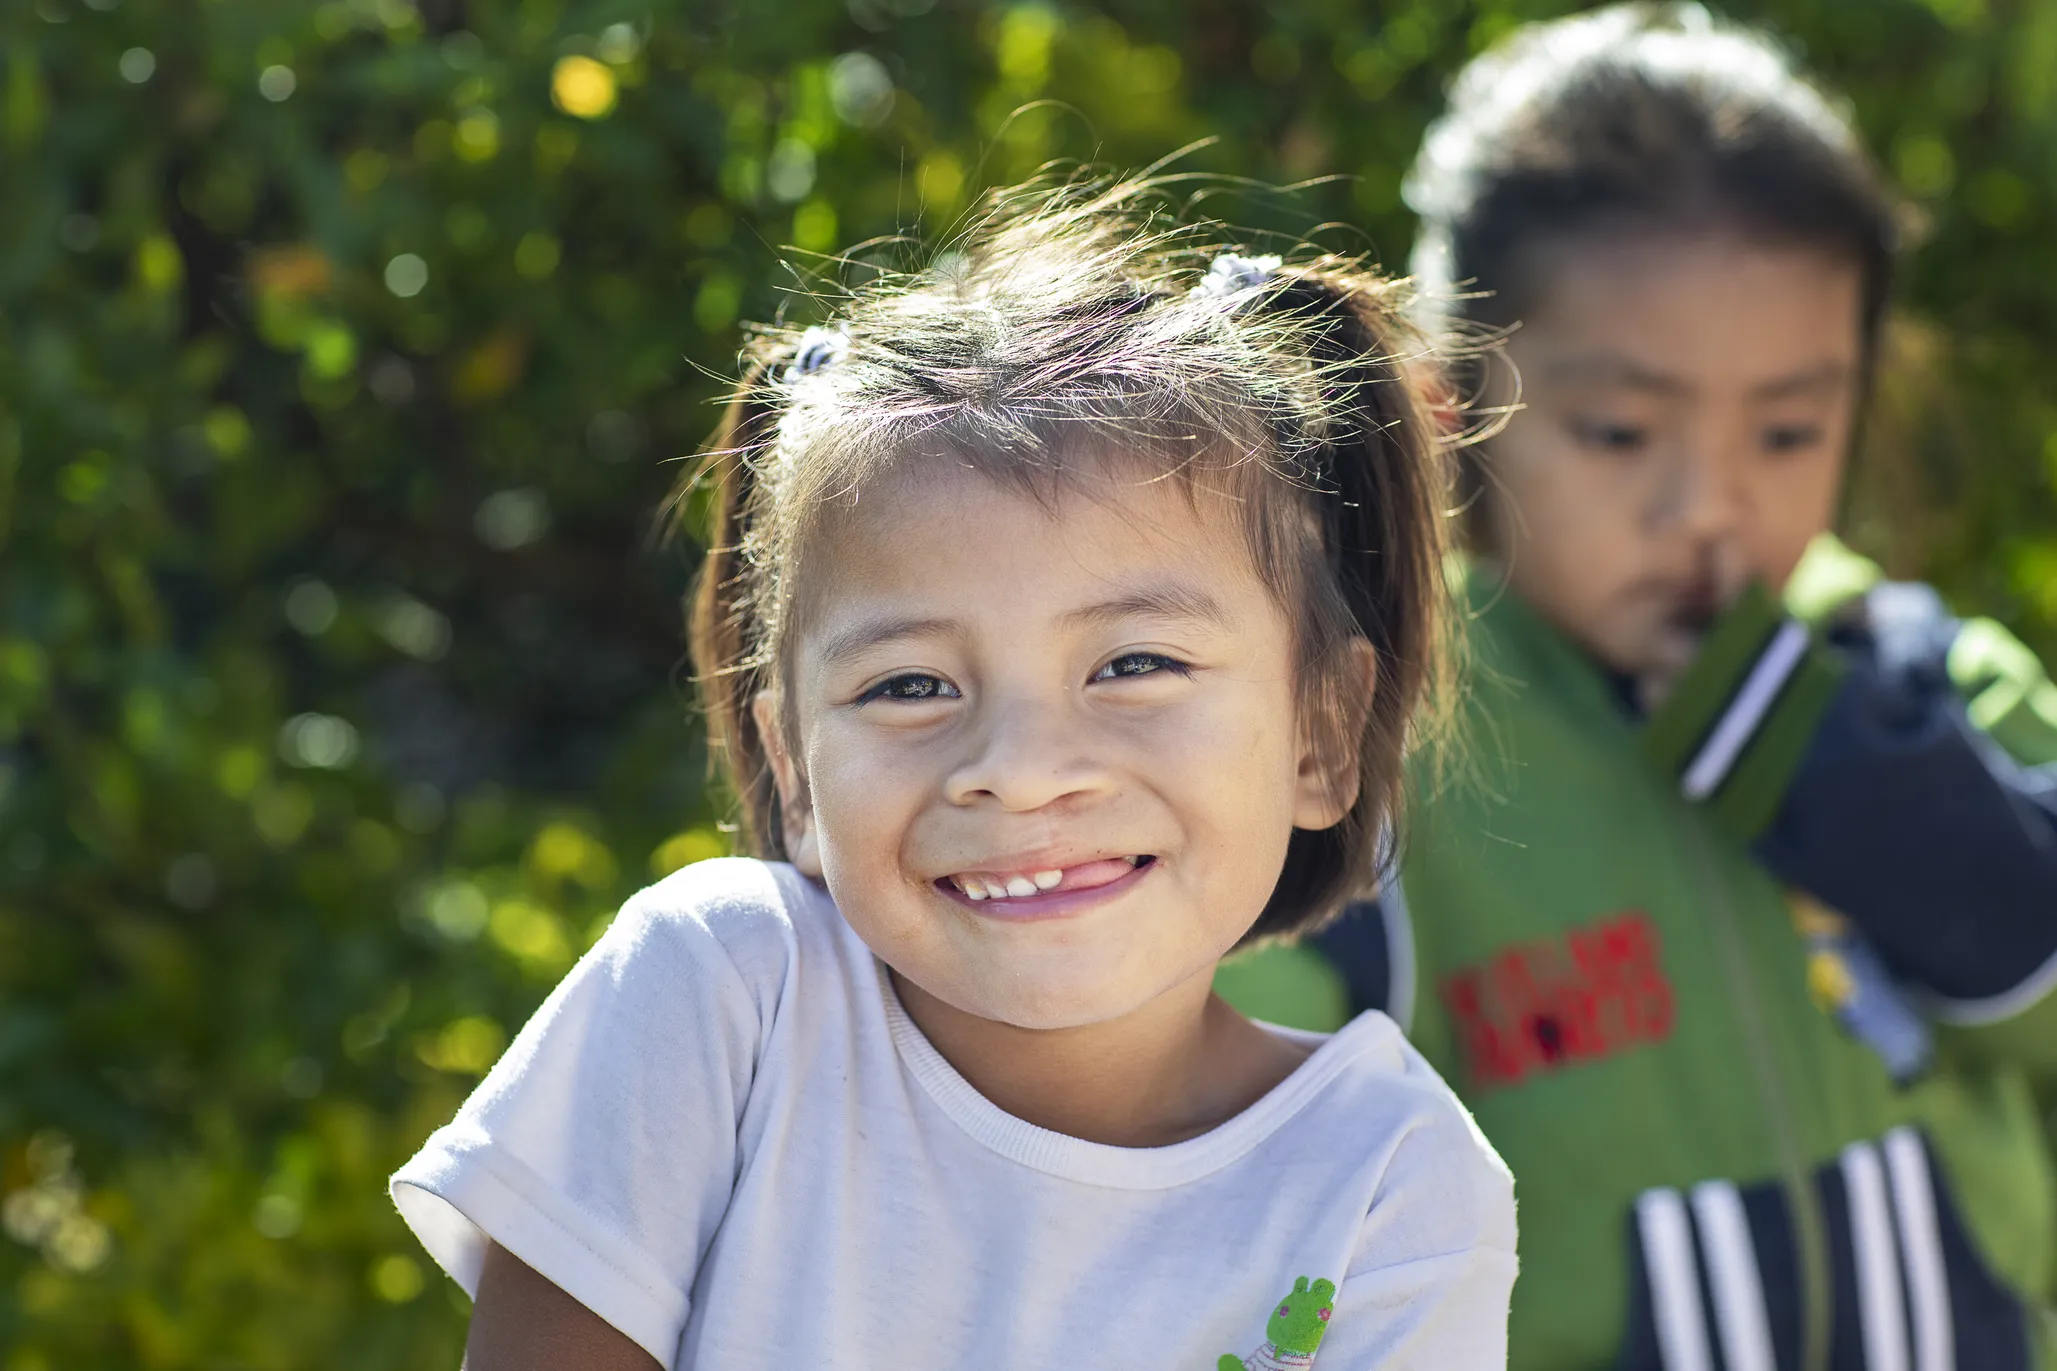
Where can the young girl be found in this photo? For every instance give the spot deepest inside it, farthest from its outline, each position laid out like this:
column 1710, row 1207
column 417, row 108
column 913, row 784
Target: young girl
column 1741, row 934
column 1067, row 611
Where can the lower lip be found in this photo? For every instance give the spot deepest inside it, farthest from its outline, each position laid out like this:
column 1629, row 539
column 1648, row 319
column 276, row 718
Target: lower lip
column 1057, row 904
column 1692, row 619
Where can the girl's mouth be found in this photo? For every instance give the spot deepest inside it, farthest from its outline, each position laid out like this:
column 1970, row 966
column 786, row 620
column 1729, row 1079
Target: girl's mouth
column 1691, row 624
column 1024, row 886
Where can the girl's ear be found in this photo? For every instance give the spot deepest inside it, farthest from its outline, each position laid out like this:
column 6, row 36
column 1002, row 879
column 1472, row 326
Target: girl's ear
column 1328, row 780
column 796, row 811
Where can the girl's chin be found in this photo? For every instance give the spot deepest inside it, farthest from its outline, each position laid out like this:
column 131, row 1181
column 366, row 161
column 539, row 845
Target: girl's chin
column 1080, row 987
column 1671, row 650
column 1084, row 1008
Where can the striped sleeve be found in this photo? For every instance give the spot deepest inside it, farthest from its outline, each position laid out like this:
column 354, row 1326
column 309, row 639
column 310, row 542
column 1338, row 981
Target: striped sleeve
column 1738, row 723
column 1853, row 762
column 1717, row 1281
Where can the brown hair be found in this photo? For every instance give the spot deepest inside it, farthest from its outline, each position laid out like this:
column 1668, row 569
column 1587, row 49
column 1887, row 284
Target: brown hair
column 1639, row 118
column 1066, row 332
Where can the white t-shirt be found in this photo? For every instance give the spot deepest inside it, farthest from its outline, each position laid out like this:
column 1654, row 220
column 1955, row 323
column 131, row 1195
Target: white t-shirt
column 724, row 1136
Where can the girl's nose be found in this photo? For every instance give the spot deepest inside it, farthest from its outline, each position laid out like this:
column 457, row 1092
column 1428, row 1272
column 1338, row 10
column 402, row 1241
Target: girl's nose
column 1700, row 495
column 1026, row 755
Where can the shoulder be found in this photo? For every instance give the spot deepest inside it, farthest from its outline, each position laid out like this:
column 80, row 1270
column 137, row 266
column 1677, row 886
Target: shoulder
column 1438, row 1179
column 735, row 914
column 680, row 1004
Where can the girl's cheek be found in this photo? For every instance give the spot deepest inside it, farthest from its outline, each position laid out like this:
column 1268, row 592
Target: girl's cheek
column 1245, row 733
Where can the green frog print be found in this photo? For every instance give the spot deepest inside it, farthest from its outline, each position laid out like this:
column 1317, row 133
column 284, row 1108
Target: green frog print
column 1294, row 1333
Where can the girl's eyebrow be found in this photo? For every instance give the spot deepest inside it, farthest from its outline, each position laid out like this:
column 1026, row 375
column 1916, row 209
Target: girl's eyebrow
column 1152, row 602
column 1156, row 602
column 866, row 634
column 1823, row 378
column 1609, row 369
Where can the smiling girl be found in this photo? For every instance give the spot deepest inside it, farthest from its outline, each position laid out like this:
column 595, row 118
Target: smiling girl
column 1067, row 611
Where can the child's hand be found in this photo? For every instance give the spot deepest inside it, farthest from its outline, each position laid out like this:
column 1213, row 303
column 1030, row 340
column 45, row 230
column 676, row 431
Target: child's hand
column 1737, row 721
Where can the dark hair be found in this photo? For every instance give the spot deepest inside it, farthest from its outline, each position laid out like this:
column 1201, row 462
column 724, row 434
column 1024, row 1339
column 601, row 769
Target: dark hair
column 1638, row 117
column 1071, row 330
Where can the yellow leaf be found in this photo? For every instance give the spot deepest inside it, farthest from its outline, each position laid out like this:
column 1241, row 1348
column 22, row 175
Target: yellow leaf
column 466, row 1046
column 583, row 87
column 491, row 368
column 158, row 264
column 683, row 849
column 227, row 430
column 28, row 102
column 478, row 136
column 563, row 850
column 531, row 934
column 291, row 271
column 940, row 178
column 396, row 1278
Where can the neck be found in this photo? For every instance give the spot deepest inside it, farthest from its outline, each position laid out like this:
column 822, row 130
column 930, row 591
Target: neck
column 1170, row 1070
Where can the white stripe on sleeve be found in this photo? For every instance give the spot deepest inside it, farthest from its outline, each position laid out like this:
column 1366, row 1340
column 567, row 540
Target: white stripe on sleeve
column 2028, row 991
column 1674, row 1281
column 1928, row 1284
column 1760, row 688
column 1880, row 1312
column 1739, row 1314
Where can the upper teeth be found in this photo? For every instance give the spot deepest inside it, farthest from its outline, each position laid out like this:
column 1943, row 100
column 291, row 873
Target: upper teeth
column 1017, row 885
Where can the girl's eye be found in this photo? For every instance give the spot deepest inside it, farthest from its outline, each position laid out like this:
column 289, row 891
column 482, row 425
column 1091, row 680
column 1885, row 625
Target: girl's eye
column 914, row 685
column 1791, row 438
column 1622, row 439
column 1141, row 664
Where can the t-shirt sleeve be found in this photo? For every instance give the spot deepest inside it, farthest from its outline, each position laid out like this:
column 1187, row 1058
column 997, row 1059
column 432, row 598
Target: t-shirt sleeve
column 1435, row 1261
column 601, row 1149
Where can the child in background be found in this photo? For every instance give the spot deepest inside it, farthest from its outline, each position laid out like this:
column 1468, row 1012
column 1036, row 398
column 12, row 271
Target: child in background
column 1066, row 614
column 1737, row 928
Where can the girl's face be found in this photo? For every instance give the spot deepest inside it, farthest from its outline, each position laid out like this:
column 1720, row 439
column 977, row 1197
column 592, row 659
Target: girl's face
column 1687, row 406
column 1050, row 757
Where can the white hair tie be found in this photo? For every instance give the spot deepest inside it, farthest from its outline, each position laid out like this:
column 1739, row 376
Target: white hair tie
column 1231, row 274
column 818, row 347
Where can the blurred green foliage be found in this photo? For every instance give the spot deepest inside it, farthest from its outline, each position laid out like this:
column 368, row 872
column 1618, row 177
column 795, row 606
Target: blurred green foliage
column 342, row 349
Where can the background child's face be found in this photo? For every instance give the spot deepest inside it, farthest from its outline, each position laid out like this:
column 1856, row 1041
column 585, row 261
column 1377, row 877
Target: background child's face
column 1687, row 408
column 986, row 694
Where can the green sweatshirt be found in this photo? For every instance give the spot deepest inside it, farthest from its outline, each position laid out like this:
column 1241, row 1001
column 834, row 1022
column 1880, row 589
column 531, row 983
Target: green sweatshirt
column 1690, row 1069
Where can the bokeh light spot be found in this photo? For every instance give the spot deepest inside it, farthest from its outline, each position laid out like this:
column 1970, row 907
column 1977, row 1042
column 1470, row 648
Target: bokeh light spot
column 406, row 275
column 508, row 520
column 276, row 83
column 582, row 87
column 861, row 89
column 311, row 607
column 396, row 1279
